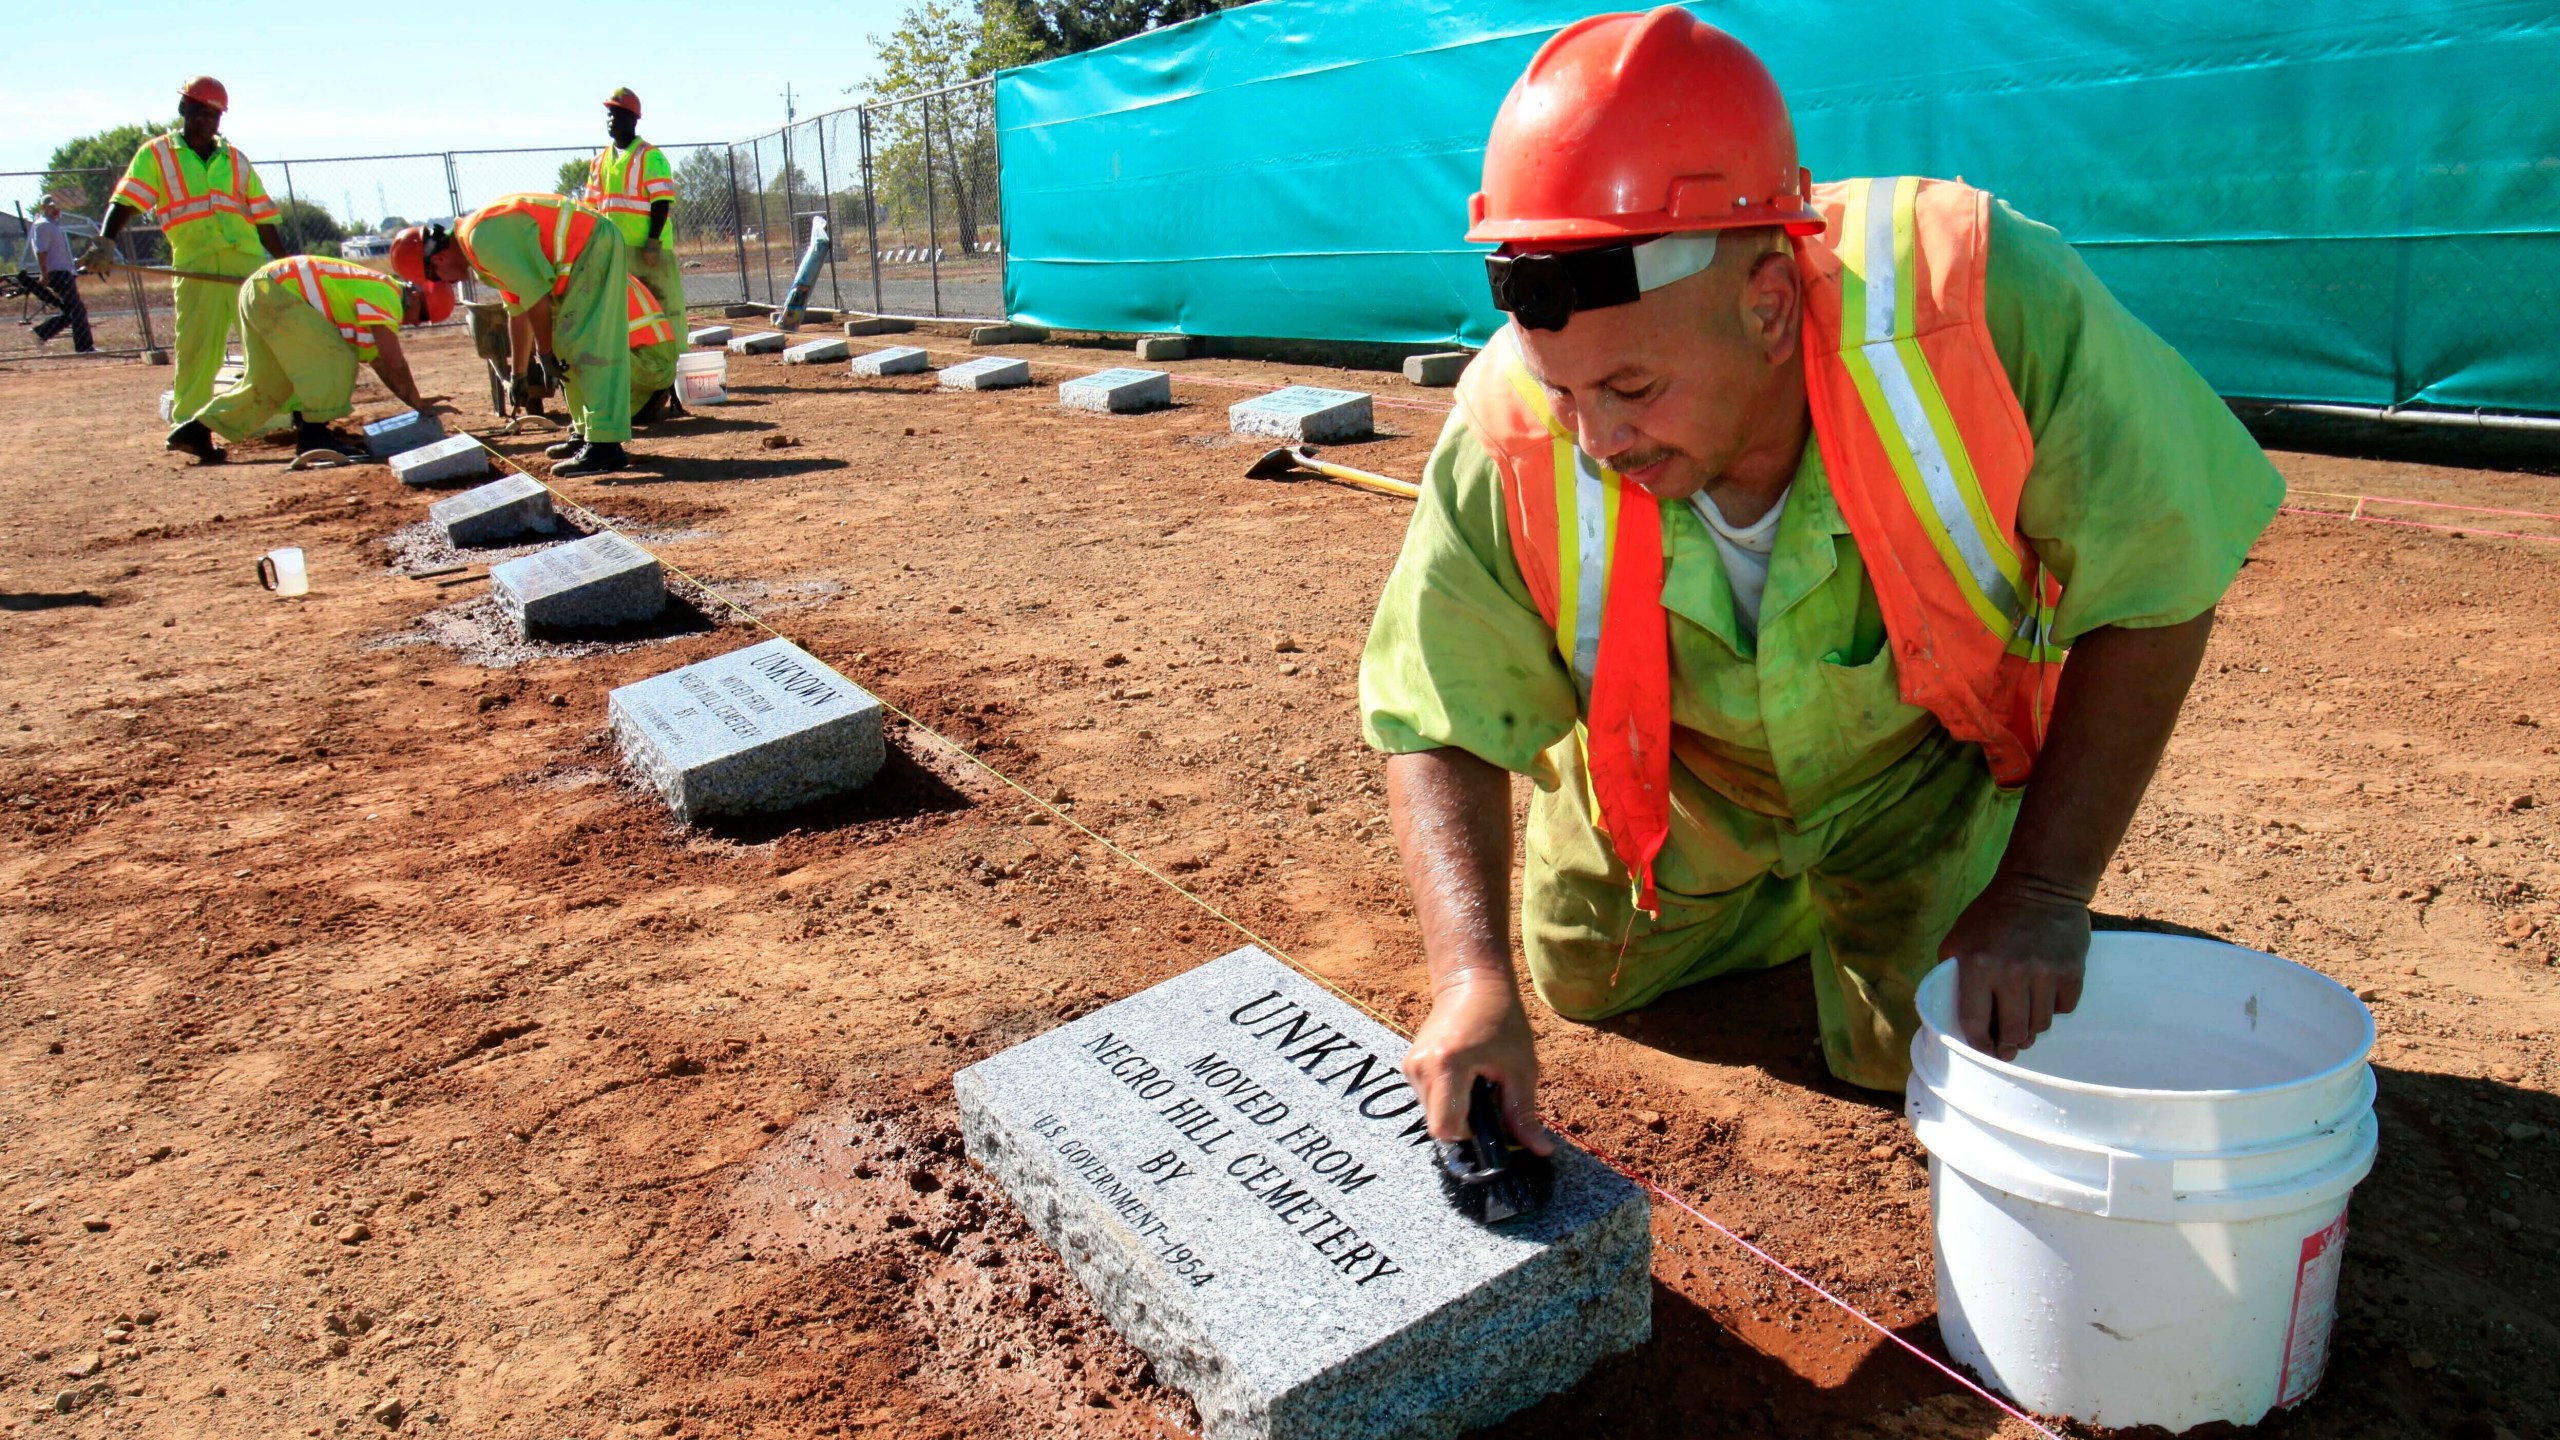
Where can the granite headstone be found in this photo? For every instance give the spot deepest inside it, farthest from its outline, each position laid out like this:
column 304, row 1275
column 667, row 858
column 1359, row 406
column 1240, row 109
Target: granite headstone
column 405, row 431
column 769, row 727
column 1439, row 369
column 1117, row 391
column 712, row 335
column 995, row 372
column 601, row 581
column 815, row 352
column 442, row 462
column 496, row 512
column 895, row 360
column 1233, row 1166
column 763, row 342
column 1308, row 414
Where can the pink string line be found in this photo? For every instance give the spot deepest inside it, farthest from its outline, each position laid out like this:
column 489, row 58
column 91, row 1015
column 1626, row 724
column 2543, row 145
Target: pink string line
column 1774, row 1263
column 2425, row 504
column 2423, row 525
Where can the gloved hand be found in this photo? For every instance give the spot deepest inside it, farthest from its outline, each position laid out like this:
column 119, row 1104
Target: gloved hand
column 523, row 393
column 652, row 250
column 99, row 258
column 548, row 372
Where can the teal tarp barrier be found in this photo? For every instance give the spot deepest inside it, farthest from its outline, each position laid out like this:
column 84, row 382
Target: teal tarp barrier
column 2360, row 203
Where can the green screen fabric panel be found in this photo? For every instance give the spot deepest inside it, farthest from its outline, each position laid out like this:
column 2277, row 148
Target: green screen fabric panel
column 2360, row 203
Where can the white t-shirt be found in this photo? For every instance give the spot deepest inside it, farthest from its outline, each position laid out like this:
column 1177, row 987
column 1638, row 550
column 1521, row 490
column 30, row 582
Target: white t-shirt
column 1745, row 550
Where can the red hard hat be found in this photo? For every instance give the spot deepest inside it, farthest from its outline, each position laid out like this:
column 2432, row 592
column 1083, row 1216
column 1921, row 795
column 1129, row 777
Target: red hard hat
column 439, row 301
column 409, row 254
column 1631, row 125
column 206, row 89
column 623, row 99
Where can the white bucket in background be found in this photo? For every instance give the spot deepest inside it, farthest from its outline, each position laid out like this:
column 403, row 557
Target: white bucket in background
column 702, row 377
column 2140, row 1220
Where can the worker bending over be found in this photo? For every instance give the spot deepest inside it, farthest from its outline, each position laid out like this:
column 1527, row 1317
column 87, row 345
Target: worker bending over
column 1758, row 539
column 656, row 344
column 218, row 221
column 559, row 267
column 305, row 322
column 632, row 184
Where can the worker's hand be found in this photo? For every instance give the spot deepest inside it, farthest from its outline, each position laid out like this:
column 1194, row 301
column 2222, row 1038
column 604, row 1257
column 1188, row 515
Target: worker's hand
column 652, row 250
column 1477, row 1027
column 99, row 258
column 2020, row 950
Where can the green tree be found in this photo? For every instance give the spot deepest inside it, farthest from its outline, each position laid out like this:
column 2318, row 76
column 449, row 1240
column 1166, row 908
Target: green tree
column 572, row 180
column 89, row 167
column 1071, row 27
column 941, row 43
column 702, row 191
column 308, row 227
column 391, row 225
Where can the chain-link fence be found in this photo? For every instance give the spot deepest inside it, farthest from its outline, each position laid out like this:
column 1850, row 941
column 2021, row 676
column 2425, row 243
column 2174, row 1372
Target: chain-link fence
column 911, row 195
column 908, row 187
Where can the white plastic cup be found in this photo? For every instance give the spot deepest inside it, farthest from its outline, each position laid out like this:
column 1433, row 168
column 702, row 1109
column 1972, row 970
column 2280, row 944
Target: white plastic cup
column 282, row 571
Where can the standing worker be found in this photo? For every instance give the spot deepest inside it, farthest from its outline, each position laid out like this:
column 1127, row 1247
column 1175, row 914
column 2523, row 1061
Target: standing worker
column 559, row 267
column 61, row 279
column 1757, row 539
column 305, row 322
column 218, row 219
column 632, row 184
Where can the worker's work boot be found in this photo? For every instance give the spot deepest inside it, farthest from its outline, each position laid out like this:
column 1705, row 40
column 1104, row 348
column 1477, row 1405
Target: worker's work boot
column 566, row 449
column 308, row 437
column 599, row 459
column 194, row 438
column 659, row 406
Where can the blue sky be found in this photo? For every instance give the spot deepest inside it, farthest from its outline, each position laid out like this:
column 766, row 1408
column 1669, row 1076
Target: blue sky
column 324, row 80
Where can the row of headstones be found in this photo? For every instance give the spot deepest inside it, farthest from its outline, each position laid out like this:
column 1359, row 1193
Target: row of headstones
column 769, row 727
column 1280, row 1187
column 1306, row 414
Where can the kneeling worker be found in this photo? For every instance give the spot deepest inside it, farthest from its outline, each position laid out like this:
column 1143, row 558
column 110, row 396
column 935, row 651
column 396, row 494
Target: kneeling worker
column 560, row 269
column 305, row 322
column 1758, row 538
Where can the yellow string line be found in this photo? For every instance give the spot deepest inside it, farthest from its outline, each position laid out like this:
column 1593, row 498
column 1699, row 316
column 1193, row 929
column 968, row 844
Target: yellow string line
column 601, row 523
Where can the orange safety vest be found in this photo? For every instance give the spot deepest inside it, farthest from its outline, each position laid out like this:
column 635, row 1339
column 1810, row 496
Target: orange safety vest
column 348, row 306
column 1927, row 453
column 649, row 322
column 566, row 227
column 177, row 206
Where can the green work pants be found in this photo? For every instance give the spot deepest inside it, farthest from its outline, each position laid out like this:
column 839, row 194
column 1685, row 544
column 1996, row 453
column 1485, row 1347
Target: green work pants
column 1867, row 894
column 205, row 311
column 653, row 368
column 295, row 359
column 665, row 278
column 591, row 333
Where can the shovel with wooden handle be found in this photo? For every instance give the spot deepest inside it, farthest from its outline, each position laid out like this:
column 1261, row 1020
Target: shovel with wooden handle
column 1277, row 464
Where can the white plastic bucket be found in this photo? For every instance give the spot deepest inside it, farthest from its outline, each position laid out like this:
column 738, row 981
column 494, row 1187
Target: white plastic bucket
column 702, row 377
column 2140, row 1220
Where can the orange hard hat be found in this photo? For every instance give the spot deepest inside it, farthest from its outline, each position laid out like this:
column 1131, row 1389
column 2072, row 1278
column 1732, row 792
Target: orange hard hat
column 439, row 297
column 409, row 254
column 623, row 99
column 206, row 90
column 1632, row 125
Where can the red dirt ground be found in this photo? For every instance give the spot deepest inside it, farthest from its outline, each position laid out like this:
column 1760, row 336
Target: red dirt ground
column 364, row 1035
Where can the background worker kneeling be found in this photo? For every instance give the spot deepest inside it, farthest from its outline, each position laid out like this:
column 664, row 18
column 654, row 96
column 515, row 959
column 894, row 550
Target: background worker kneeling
column 305, row 323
